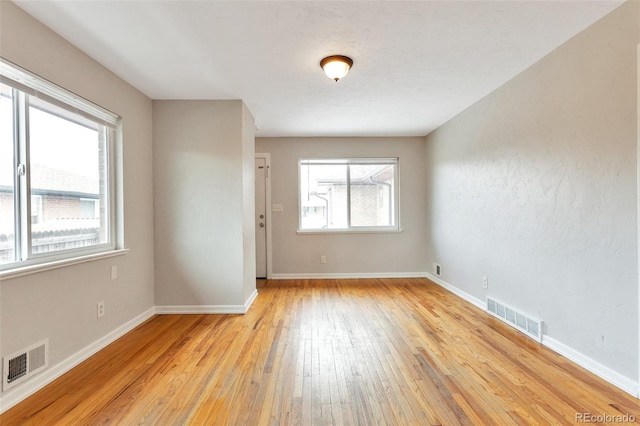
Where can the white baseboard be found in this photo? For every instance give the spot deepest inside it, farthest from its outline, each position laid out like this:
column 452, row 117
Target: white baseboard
column 200, row 309
column 461, row 294
column 250, row 300
column 340, row 275
column 17, row 394
column 14, row 396
column 624, row 383
column 208, row 309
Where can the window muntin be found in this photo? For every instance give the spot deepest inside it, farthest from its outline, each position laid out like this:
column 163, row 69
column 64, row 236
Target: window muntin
column 358, row 194
column 56, row 198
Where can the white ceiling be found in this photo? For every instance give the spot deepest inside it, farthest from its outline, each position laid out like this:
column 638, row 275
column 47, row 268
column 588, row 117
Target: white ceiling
column 416, row 63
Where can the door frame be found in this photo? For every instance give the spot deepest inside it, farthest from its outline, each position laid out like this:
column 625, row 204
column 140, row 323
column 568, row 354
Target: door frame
column 267, row 161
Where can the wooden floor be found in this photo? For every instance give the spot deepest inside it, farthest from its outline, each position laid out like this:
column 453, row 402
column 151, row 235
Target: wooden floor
column 392, row 351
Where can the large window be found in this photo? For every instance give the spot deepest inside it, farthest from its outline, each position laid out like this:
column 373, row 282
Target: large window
column 56, row 175
column 349, row 194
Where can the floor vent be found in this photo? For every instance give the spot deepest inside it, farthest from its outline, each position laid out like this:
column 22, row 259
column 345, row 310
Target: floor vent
column 529, row 326
column 21, row 365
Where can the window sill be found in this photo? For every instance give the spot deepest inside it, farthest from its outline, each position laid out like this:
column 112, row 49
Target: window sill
column 42, row 267
column 348, row 231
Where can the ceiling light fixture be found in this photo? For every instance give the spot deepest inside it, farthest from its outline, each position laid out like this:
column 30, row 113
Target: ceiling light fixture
column 336, row 66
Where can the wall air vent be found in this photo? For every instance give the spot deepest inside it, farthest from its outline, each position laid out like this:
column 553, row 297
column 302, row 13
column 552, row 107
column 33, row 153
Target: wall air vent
column 522, row 322
column 21, row 365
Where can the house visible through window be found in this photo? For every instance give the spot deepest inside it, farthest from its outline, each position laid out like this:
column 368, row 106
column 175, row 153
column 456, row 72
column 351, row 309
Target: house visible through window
column 55, row 172
column 349, row 194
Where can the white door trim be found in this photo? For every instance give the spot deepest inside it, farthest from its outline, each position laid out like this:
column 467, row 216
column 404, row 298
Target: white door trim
column 267, row 161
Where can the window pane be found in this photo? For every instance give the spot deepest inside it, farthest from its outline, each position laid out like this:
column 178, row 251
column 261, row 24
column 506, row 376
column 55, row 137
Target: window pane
column 323, row 195
column 7, row 224
column 347, row 194
column 68, row 179
column 372, row 195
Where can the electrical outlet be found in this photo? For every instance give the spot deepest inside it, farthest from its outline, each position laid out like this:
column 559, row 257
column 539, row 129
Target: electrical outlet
column 323, row 259
column 114, row 273
column 485, row 282
column 100, row 309
column 437, row 269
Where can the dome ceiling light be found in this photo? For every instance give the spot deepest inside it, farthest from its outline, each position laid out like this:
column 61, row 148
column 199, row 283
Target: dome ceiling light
column 336, row 66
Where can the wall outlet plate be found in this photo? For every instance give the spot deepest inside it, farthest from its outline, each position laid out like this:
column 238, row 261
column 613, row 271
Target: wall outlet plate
column 437, row 269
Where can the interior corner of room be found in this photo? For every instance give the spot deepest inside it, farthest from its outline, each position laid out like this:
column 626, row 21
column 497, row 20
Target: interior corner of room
column 529, row 197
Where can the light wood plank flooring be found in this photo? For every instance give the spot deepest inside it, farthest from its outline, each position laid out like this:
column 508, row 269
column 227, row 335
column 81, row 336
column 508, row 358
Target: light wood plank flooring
column 376, row 351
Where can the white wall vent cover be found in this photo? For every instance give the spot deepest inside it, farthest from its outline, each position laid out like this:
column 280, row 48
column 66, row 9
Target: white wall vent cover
column 526, row 324
column 21, row 365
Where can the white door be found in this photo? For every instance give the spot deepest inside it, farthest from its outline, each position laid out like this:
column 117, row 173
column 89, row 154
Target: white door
column 261, row 218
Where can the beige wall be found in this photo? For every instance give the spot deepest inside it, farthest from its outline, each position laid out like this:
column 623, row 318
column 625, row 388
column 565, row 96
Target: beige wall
column 535, row 187
column 357, row 254
column 202, row 242
column 61, row 304
column 248, row 202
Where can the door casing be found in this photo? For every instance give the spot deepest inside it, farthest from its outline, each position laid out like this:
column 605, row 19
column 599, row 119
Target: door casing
column 267, row 158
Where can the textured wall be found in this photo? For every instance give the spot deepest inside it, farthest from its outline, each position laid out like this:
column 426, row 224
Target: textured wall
column 351, row 253
column 535, row 188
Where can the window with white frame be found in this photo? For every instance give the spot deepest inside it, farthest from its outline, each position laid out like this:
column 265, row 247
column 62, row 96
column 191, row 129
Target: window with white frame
column 56, row 172
column 348, row 194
